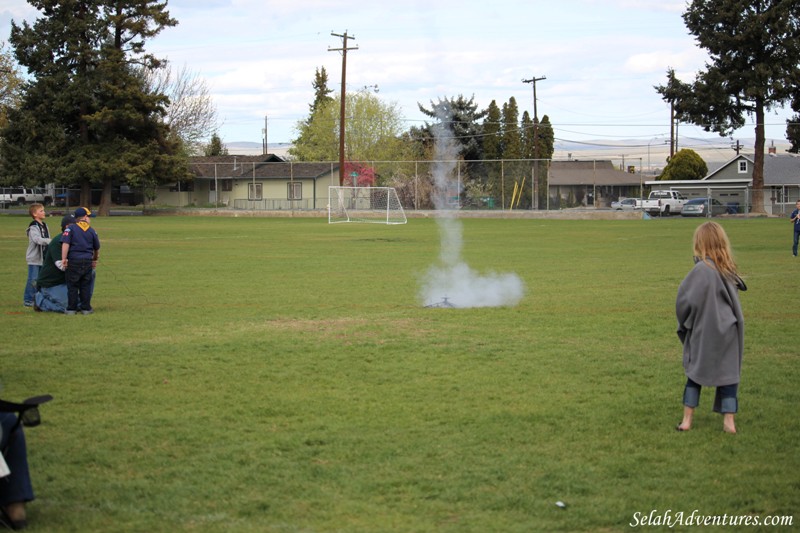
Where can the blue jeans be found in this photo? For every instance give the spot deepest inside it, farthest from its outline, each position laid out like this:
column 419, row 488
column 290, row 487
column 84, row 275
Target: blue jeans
column 55, row 298
column 16, row 487
column 725, row 399
column 30, row 289
column 794, row 244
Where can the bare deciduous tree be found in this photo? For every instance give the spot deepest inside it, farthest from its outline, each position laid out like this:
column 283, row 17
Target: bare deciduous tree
column 191, row 114
column 10, row 82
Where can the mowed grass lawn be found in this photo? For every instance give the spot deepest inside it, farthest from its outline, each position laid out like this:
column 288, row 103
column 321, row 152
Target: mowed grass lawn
column 255, row 374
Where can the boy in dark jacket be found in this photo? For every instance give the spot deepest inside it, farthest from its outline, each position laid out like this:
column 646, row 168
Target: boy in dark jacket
column 80, row 249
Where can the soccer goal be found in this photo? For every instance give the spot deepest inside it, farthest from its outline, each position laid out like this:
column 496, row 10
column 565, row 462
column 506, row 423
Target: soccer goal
column 379, row 205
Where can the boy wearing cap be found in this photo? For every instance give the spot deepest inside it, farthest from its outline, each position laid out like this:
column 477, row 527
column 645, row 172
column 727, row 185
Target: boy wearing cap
column 80, row 249
column 38, row 239
column 51, row 285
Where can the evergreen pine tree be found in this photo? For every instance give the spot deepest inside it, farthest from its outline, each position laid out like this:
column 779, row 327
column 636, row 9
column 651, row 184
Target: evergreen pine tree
column 493, row 150
column 754, row 50
column 86, row 116
column 215, row 147
column 793, row 134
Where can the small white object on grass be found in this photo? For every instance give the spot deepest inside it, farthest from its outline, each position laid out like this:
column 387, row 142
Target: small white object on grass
column 561, row 504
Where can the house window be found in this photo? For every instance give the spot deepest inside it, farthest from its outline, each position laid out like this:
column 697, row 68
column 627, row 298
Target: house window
column 225, row 185
column 742, row 167
column 254, row 191
column 294, row 190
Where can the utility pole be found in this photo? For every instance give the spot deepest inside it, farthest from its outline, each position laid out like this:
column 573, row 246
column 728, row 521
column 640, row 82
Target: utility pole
column 671, row 129
column 343, row 50
column 533, row 81
column 265, row 135
column 736, row 146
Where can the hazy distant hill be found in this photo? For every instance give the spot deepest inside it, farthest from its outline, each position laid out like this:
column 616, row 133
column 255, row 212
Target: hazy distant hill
column 630, row 151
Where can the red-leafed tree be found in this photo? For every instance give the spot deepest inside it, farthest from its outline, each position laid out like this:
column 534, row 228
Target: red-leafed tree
column 364, row 175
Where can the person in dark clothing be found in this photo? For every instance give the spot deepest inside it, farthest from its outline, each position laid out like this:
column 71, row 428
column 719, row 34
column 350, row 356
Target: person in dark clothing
column 80, row 250
column 15, row 487
column 51, row 285
column 795, row 218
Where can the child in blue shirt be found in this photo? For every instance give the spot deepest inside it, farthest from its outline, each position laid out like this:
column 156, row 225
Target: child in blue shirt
column 795, row 218
column 80, row 249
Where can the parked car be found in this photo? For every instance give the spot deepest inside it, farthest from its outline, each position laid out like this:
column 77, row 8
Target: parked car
column 627, row 204
column 24, row 195
column 663, row 203
column 698, row 207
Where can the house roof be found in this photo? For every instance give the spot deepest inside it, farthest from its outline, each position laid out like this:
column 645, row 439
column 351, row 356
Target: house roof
column 263, row 166
column 783, row 169
column 590, row 173
column 725, row 165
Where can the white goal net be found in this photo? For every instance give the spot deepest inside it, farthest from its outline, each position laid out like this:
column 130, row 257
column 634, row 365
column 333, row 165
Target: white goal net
column 379, row 205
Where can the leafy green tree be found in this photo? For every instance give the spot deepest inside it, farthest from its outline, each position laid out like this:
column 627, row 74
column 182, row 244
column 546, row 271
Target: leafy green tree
column 374, row 129
column 754, row 50
column 215, row 147
column 686, row 164
column 86, row 117
column 793, row 134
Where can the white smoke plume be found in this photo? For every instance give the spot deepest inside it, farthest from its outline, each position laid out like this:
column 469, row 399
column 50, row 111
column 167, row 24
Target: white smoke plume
column 452, row 282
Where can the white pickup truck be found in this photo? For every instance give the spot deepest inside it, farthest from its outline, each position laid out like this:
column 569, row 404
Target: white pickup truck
column 662, row 203
column 24, row 195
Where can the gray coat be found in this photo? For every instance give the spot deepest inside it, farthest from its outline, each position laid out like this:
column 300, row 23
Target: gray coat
column 710, row 326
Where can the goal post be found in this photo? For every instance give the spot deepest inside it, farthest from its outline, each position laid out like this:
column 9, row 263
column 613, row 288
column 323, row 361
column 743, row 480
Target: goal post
column 377, row 205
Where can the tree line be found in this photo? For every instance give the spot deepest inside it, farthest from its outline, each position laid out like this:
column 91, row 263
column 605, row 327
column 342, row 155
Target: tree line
column 375, row 132
column 97, row 109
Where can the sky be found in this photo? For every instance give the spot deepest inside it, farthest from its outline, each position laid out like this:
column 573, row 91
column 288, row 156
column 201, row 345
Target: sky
column 600, row 58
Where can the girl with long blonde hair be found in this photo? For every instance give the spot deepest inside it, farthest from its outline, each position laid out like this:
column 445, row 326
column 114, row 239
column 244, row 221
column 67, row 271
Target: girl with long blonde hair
column 711, row 326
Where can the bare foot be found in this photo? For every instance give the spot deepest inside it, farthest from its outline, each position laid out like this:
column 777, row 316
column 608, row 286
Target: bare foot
column 686, row 423
column 727, row 424
column 16, row 514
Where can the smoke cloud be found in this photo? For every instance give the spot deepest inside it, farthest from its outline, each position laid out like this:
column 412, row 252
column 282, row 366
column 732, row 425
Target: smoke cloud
column 452, row 281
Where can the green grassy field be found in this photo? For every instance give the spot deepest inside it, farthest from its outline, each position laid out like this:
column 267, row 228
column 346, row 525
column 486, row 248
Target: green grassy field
column 254, row 374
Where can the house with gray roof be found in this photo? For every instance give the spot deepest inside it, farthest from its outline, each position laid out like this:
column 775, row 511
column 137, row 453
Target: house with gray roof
column 732, row 183
column 594, row 183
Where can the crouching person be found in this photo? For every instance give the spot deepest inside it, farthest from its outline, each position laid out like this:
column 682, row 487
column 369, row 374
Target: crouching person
column 51, row 285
